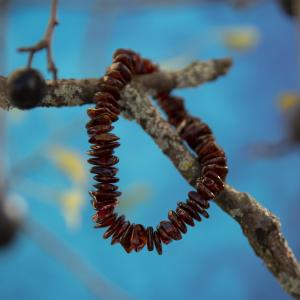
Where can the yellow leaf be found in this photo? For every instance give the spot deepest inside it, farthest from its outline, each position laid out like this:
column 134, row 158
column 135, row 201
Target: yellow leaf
column 288, row 100
column 70, row 162
column 71, row 204
column 242, row 38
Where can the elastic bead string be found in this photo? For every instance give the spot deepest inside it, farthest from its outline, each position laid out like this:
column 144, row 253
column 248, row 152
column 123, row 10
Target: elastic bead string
column 197, row 134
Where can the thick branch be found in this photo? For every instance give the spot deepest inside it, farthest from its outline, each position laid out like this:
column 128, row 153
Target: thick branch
column 260, row 226
column 73, row 92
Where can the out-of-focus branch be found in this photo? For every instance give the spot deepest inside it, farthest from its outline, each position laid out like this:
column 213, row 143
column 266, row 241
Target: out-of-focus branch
column 261, row 227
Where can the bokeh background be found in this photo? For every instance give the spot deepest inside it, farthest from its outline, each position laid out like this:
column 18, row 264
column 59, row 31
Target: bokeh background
column 45, row 157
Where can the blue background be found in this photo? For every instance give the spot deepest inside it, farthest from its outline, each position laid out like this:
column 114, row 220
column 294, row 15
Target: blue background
column 214, row 260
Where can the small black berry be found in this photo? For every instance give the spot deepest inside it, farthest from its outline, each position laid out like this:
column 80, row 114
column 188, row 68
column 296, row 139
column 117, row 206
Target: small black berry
column 9, row 225
column 26, row 88
column 289, row 7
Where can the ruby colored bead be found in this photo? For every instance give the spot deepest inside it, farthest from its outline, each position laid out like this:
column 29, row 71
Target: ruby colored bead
column 103, row 97
column 189, row 210
column 157, row 242
column 138, row 238
column 174, row 218
column 106, row 179
column 204, row 191
column 113, row 81
column 150, row 242
column 114, row 227
column 104, row 212
column 118, row 233
column 185, row 216
column 104, row 171
column 125, row 59
column 220, row 170
column 170, row 230
column 99, row 204
column 125, row 239
column 163, row 236
column 106, row 187
column 126, row 73
column 199, row 199
column 106, row 222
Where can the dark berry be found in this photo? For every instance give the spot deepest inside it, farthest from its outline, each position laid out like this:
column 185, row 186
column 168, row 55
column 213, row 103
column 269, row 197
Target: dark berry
column 289, row 7
column 9, row 223
column 26, row 88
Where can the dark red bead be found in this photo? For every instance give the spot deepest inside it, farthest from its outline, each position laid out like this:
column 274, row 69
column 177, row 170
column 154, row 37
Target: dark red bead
column 106, row 222
column 189, row 210
column 157, row 242
column 199, row 199
column 125, row 239
column 118, row 233
column 125, row 59
column 185, row 216
column 204, row 191
column 150, row 242
column 110, row 89
column 114, row 227
column 106, row 179
column 138, row 238
column 174, row 218
column 105, row 187
column 163, row 236
column 169, row 230
column 104, row 171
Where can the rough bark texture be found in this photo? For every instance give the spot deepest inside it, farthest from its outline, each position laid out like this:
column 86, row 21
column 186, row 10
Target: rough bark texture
column 260, row 226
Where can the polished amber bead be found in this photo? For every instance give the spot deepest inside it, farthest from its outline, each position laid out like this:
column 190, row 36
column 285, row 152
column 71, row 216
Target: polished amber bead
column 106, row 187
column 139, row 237
column 198, row 208
column 118, row 233
column 125, row 59
column 163, row 236
column 150, row 242
column 106, row 179
column 185, row 216
column 169, row 230
column 106, row 222
column 174, row 218
column 114, row 227
column 204, row 191
column 125, row 239
column 189, row 210
column 104, row 171
column 199, row 199
column 157, row 242
column 107, row 88
column 101, row 97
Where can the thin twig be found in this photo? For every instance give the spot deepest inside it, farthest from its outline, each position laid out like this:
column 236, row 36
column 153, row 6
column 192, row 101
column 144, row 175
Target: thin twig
column 45, row 43
column 50, row 243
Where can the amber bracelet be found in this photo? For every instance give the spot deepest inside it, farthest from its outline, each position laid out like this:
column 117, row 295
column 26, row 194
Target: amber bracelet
column 197, row 134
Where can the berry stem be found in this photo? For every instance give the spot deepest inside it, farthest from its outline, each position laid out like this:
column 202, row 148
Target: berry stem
column 45, row 43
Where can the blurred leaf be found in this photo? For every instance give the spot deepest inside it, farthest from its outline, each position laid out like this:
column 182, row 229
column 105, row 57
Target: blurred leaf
column 70, row 162
column 241, row 38
column 288, row 100
column 136, row 194
column 71, row 203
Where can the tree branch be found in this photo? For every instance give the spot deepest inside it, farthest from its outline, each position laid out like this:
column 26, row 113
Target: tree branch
column 260, row 226
column 72, row 92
